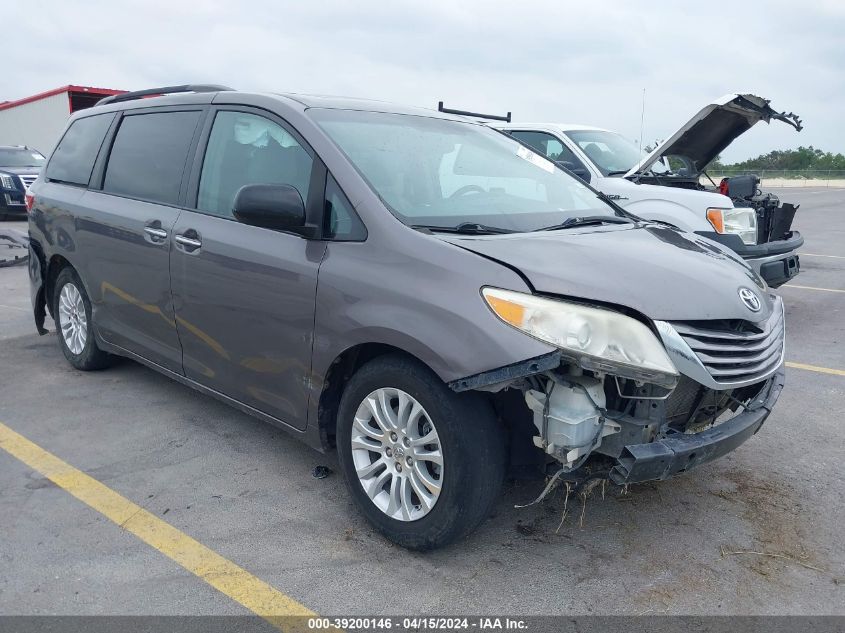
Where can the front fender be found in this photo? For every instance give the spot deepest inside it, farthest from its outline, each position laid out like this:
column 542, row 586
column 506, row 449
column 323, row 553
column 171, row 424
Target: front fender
column 427, row 304
column 388, row 335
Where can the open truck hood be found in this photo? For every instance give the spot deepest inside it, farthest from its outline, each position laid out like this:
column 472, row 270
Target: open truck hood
column 658, row 271
column 712, row 129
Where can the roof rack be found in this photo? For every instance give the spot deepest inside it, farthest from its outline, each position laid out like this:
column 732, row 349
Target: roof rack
column 494, row 117
column 154, row 92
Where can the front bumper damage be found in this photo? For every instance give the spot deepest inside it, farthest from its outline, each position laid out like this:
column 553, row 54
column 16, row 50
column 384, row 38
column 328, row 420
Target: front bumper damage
column 496, row 378
column 631, row 432
column 680, row 452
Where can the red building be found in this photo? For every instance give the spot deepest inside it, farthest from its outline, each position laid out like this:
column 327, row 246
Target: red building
column 38, row 120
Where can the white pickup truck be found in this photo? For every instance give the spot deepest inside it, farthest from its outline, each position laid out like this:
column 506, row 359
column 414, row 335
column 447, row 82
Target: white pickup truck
column 665, row 185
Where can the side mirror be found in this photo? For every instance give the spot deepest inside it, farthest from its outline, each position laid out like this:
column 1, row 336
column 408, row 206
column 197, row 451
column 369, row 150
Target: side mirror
column 576, row 170
column 277, row 207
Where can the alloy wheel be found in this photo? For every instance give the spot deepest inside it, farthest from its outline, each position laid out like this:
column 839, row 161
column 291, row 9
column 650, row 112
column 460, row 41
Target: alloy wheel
column 397, row 455
column 72, row 318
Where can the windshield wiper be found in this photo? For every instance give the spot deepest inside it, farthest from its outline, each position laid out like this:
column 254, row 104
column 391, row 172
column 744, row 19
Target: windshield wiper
column 466, row 228
column 586, row 221
column 618, row 172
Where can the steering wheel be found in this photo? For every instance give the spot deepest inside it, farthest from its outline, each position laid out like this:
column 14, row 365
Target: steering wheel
column 467, row 189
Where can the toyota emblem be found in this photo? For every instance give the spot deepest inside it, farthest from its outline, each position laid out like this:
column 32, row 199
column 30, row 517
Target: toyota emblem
column 751, row 301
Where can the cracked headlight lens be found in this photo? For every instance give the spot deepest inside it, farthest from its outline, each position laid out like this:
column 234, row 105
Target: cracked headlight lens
column 598, row 339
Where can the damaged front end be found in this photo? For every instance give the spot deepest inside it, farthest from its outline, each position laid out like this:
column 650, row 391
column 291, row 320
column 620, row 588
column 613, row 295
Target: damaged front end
column 591, row 419
column 774, row 253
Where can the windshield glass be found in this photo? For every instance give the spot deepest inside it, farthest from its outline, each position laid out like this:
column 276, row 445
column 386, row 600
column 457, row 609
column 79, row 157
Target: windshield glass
column 612, row 153
column 443, row 173
column 20, row 158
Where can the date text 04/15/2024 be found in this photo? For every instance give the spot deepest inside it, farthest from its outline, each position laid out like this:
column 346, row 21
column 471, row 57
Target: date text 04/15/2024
column 419, row 623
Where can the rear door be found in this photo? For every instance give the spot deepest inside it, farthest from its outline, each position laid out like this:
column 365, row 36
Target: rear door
column 126, row 231
column 244, row 296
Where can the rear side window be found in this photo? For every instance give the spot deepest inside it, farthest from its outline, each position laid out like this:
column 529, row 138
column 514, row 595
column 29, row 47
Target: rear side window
column 73, row 160
column 149, row 154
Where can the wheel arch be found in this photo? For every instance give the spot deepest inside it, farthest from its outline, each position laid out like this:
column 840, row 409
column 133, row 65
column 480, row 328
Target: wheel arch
column 55, row 265
column 339, row 372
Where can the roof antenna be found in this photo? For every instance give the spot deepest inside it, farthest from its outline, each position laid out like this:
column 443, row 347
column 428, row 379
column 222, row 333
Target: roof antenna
column 642, row 118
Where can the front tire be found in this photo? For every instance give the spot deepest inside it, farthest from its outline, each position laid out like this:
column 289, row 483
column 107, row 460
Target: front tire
column 74, row 326
column 424, row 464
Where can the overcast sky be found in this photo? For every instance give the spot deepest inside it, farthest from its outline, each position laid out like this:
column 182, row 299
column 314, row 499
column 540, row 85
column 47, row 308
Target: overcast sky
column 579, row 62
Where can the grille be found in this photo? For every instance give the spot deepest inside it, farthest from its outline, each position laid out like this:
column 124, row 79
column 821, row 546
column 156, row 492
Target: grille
column 28, row 180
column 736, row 351
column 692, row 404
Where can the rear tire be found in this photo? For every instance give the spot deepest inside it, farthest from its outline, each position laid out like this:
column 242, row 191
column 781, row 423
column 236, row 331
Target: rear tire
column 402, row 491
column 74, row 325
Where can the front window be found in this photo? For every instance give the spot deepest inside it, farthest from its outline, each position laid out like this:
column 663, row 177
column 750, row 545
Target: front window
column 21, row 158
column 246, row 149
column 443, row 173
column 612, row 153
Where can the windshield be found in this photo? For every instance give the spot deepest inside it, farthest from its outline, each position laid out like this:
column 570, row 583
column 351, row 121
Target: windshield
column 441, row 173
column 612, row 153
column 20, row 158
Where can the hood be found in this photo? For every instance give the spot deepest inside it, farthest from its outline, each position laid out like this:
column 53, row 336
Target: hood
column 20, row 171
column 712, row 129
column 658, row 271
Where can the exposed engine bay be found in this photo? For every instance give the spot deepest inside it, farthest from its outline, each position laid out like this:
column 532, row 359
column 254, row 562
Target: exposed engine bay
column 580, row 417
column 774, row 220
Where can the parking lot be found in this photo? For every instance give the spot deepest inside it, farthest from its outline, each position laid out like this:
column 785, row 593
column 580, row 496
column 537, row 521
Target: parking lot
column 758, row 532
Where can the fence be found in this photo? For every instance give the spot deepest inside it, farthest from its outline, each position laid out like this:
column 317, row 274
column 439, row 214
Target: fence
column 787, row 177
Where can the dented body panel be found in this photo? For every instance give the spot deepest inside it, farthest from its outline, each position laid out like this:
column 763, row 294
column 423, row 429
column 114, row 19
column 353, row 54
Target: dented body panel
column 629, row 266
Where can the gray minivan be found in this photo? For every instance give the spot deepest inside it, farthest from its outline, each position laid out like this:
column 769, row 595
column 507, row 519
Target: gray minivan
column 425, row 294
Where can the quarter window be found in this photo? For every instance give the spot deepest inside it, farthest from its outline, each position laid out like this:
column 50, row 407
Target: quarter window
column 246, row 149
column 149, row 154
column 341, row 221
column 73, row 159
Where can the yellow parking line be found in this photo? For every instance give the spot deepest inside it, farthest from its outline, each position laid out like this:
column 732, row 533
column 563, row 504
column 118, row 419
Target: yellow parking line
column 823, row 370
column 812, row 288
column 817, row 255
column 222, row 574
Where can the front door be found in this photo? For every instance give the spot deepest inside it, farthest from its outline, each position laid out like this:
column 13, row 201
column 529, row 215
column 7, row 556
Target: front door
column 244, row 296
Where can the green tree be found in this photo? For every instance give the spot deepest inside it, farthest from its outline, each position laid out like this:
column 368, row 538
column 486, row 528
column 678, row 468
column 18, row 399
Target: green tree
column 792, row 159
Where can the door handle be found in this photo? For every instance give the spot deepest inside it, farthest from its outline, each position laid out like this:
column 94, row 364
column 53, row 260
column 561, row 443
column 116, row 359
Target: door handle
column 156, row 234
column 190, row 243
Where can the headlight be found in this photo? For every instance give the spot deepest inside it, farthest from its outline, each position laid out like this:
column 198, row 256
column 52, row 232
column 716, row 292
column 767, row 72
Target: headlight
column 741, row 221
column 599, row 340
column 6, row 181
